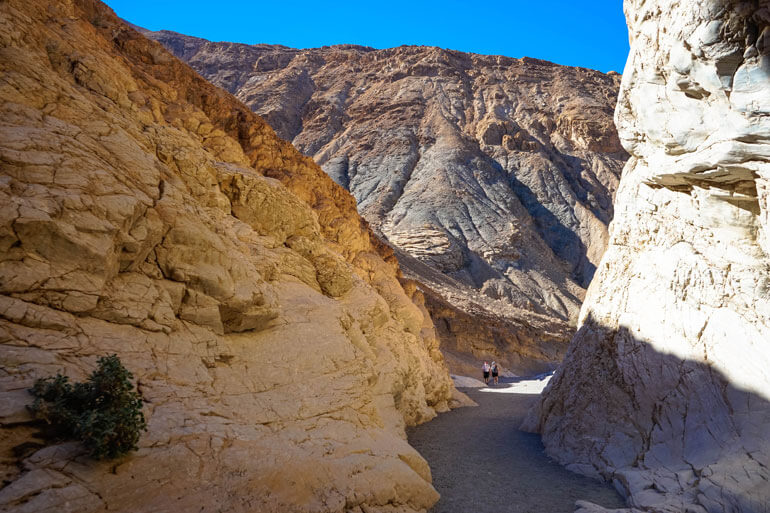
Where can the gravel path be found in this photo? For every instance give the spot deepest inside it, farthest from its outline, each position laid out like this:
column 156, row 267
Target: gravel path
column 481, row 462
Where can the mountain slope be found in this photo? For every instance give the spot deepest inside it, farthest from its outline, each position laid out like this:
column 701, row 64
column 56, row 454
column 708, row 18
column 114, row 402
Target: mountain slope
column 497, row 172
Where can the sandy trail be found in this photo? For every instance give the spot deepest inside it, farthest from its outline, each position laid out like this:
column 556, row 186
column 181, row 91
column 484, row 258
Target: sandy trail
column 481, row 462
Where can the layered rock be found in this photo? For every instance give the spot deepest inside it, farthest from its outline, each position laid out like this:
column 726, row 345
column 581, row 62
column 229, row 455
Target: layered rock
column 473, row 327
column 146, row 213
column 665, row 388
column 498, row 173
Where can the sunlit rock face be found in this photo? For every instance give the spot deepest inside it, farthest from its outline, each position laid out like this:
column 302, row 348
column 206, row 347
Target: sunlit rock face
column 494, row 176
column 666, row 387
column 145, row 212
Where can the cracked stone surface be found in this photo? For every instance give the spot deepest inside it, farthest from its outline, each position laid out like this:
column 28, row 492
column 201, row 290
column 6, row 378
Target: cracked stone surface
column 665, row 388
column 147, row 213
column 496, row 174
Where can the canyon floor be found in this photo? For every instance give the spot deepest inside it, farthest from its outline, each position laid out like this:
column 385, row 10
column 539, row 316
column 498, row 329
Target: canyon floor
column 482, row 462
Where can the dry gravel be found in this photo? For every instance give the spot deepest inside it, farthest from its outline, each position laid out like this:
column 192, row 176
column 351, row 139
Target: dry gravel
column 481, row 462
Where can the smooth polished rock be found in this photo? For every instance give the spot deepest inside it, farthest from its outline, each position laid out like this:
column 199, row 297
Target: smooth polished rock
column 665, row 388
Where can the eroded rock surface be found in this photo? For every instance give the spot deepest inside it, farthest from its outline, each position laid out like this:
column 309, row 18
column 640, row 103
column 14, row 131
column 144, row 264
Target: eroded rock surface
column 498, row 173
column 145, row 212
column 665, row 388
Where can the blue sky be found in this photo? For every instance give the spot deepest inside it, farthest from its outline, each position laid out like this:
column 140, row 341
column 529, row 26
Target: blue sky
column 589, row 33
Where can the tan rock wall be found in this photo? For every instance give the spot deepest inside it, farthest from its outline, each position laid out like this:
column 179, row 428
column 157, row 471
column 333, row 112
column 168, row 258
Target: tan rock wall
column 146, row 213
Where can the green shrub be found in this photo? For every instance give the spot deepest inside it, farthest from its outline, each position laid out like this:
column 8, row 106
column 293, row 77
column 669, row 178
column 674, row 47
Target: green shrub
column 105, row 412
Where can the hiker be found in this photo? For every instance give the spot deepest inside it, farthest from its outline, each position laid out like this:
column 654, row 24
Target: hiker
column 485, row 368
column 494, row 372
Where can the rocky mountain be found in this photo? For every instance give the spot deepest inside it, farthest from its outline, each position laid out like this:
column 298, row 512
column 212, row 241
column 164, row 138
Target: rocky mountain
column 665, row 388
column 146, row 213
column 496, row 174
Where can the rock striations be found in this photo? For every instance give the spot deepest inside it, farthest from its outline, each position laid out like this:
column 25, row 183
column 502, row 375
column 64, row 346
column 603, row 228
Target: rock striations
column 497, row 174
column 147, row 213
column 665, row 388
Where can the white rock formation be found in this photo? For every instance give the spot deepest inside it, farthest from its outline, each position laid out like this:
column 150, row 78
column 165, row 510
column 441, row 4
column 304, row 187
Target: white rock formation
column 666, row 387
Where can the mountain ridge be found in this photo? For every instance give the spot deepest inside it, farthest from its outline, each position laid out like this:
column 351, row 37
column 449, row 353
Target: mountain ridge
column 354, row 46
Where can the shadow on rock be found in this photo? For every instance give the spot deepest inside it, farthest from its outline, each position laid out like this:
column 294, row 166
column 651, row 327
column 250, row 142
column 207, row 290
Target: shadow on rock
column 672, row 434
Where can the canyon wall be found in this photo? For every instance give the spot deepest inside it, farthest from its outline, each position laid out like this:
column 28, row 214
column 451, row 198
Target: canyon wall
column 496, row 174
column 146, row 213
column 665, row 389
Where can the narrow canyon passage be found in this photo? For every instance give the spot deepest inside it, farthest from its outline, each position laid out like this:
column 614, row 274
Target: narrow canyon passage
column 482, row 462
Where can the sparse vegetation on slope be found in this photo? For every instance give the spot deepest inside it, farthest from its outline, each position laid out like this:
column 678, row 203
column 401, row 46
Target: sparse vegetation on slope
column 104, row 412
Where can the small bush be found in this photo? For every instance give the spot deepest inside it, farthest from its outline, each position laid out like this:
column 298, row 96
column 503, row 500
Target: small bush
column 105, row 412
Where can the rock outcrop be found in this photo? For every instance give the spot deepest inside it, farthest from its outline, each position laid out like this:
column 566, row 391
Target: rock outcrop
column 147, row 213
column 498, row 173
column 666, row 386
